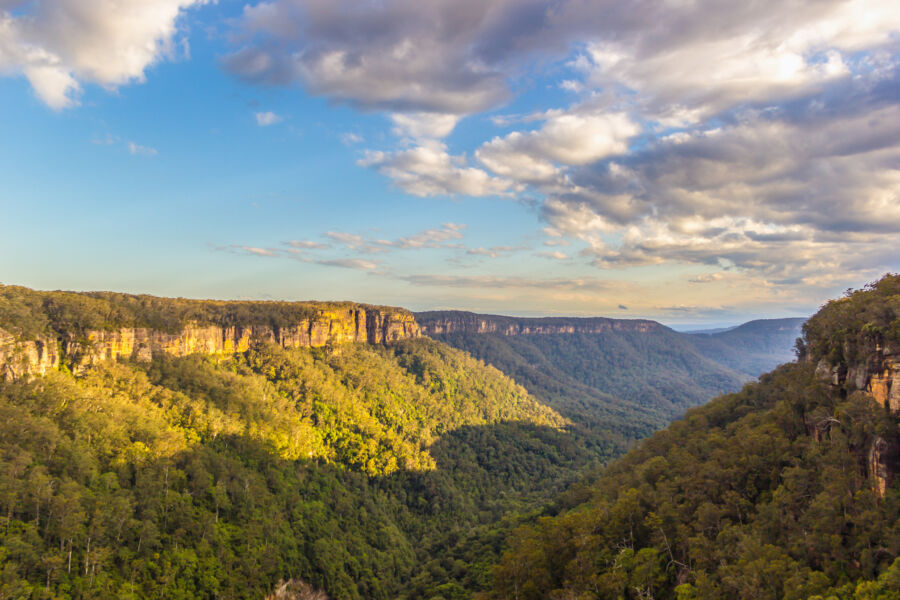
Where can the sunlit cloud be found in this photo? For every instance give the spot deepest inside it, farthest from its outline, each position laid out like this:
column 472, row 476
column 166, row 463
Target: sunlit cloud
column 59, row 45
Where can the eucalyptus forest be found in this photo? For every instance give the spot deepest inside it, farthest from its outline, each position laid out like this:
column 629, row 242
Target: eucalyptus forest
column 414, row 469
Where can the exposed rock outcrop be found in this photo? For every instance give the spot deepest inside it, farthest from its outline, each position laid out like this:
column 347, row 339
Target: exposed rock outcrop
column 27, row 357
column 879, row 375
column 295, row 589
column 39, row 356
column 445, row 322
column 878, row 465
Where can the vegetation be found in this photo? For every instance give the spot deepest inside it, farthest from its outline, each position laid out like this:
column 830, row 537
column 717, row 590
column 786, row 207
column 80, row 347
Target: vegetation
column 766, row 493
column 418, row 471
column 847, row 331
column 752, row 348
column 368, row 472
column 622, row 383
column 30, row 313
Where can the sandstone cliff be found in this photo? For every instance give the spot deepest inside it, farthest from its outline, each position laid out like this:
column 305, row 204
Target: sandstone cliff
column 452, row 321
column 879, row 375
column 78, row 351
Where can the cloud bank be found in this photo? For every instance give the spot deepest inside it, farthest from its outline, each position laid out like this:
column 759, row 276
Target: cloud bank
column 761, row 138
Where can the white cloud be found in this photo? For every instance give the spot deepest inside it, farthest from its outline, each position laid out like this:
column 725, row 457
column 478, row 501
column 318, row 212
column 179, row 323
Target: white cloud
column 423, row 125
column 307, row 245
column 60, row 44
column 350, row 263
column 493, row 251
column 569, row 138
column 429, row 170
column 256, row 251
column 264, row 119
column 349, row 138
column 138, row 150
column 759, row 135
column 430, row 238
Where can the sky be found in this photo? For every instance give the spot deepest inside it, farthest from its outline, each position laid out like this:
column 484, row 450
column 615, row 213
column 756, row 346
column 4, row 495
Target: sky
column 689, row 161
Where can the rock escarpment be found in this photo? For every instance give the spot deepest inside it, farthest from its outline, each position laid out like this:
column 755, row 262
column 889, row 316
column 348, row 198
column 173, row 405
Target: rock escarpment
column 878, row 375
column 78, row 351
column 854, row 343
column 27, row 357
column 452, row 321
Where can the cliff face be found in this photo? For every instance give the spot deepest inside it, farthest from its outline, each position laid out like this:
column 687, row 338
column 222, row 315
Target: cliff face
column 27, row 357
column 39, row 356
column 444, row 322
column 879, row 376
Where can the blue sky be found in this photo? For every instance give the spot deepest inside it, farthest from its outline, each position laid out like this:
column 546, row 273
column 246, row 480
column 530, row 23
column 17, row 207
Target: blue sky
column 689, row 162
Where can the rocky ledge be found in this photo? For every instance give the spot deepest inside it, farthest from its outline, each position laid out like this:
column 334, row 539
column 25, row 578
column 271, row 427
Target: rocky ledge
column 448, row 322
column 21, row 357
column 879, row 375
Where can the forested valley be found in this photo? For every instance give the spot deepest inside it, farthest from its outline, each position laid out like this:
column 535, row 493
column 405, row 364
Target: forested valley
column 786, row 489
column 415, row 470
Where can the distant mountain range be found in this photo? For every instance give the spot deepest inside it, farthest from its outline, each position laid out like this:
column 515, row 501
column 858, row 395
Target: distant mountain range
column 754, row 347
column 635, row 373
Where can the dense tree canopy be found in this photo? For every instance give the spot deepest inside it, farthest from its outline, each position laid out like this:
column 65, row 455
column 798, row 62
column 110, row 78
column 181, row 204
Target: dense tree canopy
column 766, row 493
column 29, row 313
column 206, row 477
column 625, row 383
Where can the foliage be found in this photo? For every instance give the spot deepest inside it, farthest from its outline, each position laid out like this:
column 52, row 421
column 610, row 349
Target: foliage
column 752, row 348
column 765, row 493
column 619, row 384
column 848, row 330
column 30, row 313
column 368, row 472
column 736, row 500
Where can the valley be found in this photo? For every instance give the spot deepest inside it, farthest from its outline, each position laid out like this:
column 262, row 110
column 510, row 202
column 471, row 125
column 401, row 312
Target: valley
column 151, row 446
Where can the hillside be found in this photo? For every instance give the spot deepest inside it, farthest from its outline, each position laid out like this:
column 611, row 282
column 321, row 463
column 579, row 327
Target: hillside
column 633, row 375
column 197, row 471
column 786, row 489
column 752, row 348
column 154, row 447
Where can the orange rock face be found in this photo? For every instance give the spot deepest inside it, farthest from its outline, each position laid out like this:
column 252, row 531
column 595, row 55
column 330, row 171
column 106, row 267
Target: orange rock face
column 37, row 357
column 885, row 386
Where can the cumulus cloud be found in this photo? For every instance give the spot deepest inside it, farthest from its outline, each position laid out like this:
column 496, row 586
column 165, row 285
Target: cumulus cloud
column 423, row 124
column 60, row 44
column 429, row 169
column 264, row 119
column 399, row 55
column 567, row 138
column 785, row 195
column 455, row 56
